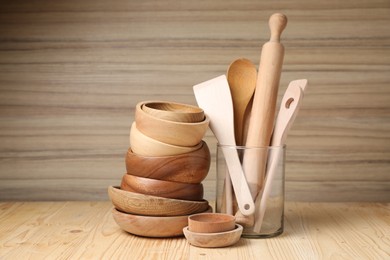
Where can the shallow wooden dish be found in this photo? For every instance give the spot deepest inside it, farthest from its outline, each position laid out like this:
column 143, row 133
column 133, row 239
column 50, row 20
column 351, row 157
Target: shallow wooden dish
column 173, row 111
column 170, row 132
column 211, row 222
column 148, row 226
column 165, row 189
column 147, row 146
column 140, row 204
column 222, row 239
column 191, row 167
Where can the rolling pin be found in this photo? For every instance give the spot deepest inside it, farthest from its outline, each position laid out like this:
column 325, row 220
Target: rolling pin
column 262, row 117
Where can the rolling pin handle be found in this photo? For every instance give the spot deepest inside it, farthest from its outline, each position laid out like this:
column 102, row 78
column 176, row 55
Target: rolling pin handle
column 277, row 23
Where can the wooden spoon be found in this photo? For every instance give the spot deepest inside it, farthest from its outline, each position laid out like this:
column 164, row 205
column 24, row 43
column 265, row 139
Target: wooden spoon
column 214, row 97
column 241, row 76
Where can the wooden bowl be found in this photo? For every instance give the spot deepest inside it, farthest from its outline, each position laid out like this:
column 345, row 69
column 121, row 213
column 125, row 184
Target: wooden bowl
column 165, row 189
column 172, row 111
column 191, row 167
column 140, row 204
column 170, row 132
column 148, row 226
column 212, row 240
column 211, row 223
column 146, row 146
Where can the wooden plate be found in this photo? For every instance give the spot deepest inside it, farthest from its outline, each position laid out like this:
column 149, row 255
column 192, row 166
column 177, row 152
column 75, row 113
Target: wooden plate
column 140, row 204
column 148, row 226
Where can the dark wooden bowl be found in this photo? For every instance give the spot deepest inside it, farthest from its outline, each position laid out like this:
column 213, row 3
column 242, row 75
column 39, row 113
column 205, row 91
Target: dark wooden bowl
column 191, row 167
column 165, row 189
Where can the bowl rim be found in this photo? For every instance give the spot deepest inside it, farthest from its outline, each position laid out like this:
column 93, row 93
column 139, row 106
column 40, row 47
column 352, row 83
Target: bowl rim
column 138, row 109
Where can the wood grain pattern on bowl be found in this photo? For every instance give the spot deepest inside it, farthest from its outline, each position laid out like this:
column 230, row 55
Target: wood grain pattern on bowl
column 144, row 145
column 211, row 222
column 148, row 226
column 165, row 189
column 170, row 132
column 191, row 167
column 173, row 111
column 213, row 240
column 140, row 204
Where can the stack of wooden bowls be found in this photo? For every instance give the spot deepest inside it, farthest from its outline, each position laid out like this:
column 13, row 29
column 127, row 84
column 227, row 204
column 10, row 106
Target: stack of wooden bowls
column 166, row 163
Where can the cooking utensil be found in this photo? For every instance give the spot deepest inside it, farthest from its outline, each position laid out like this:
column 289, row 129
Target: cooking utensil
column 213, row 96
column 241, row 76
column 288, row 111
column 263, row 110
column 264, row 103
column 140, row 204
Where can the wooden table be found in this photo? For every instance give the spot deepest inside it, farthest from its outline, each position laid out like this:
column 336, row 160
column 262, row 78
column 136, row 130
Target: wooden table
column 86, row 230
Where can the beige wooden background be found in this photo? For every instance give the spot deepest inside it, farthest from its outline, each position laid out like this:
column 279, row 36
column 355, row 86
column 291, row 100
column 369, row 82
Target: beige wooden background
column 71, row 73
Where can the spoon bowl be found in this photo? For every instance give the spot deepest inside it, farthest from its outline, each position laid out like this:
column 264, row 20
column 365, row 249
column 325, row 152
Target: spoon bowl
column 241, row 76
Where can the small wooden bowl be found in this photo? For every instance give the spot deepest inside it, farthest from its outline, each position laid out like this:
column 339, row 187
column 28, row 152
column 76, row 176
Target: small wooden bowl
column 165, row 189
column 213, row 240
column 211, row 223
column 148, row 226
column 170, row 132
column 140, row 204
column 172, row 111
column 191, row 167
column 146, row 146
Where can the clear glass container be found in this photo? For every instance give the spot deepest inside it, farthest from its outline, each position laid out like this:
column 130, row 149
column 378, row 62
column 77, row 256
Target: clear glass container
column 267, row 164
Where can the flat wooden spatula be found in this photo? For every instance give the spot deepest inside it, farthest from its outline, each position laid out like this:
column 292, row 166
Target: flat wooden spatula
column 214, row 97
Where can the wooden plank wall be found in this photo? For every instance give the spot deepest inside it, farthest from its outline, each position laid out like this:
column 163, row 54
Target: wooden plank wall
column 72, row 71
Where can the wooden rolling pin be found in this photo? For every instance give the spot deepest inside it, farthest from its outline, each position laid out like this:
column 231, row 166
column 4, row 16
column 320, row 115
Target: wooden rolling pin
column 264, row 104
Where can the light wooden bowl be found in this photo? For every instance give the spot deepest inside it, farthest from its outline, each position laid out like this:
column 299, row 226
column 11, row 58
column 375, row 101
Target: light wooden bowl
column 170, row 132
column 140, row 204
column 191, row 167
column 211, row 222
column 146, row 146
column 213, row 240
column 148, row 226
column 172, row 111
column 165, row 189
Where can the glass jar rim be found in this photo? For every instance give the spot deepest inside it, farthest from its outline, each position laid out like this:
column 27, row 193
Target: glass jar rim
column 251, row 147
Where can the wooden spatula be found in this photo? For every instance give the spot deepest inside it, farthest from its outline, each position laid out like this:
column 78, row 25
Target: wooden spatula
column 214, row 97
column 287, row 113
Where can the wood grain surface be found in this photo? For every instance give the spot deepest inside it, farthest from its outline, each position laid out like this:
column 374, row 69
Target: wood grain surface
column 86, row 230
column 71, row 73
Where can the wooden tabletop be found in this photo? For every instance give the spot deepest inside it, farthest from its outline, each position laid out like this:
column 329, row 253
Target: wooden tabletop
column 86, row 230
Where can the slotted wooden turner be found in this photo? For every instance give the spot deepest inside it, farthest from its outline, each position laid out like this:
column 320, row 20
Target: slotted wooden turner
column 214, row 97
